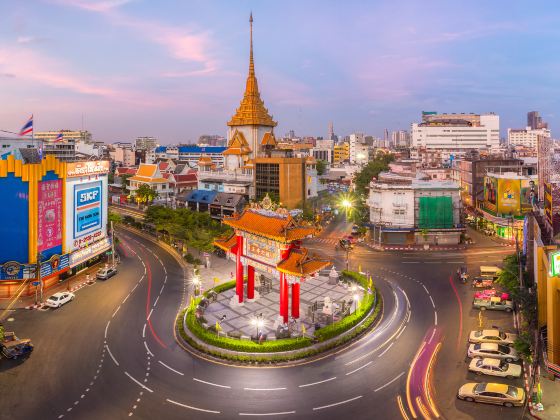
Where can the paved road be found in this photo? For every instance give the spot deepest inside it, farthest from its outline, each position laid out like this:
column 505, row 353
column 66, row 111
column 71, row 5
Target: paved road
column 111, row 353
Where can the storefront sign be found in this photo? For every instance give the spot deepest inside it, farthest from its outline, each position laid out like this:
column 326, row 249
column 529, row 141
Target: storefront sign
column 87, row 208
column 555, row 264
column 87, row 168
column 55, row 264
column 88, row 252
column 87, row 240
column 262, row 249
column 50, row 215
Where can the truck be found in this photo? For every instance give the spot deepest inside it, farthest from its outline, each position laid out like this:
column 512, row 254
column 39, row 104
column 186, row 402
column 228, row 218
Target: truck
column 493, row 304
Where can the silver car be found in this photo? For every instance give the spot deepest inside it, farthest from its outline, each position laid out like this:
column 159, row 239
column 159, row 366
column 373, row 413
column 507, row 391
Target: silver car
column 493, row 350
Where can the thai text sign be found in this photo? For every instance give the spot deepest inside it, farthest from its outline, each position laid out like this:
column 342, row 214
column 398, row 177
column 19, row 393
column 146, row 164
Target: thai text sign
column 50, row 215
column 86, row 168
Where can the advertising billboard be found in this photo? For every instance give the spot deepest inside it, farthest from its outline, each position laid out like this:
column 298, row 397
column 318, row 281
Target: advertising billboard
column 87, row 208
column 509, row 200
column 87, row 168
column 528, row 194
column 490, row 193
column 49, row 232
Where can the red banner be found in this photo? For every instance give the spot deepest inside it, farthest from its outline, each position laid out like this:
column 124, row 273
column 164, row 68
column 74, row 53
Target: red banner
column 50, row 215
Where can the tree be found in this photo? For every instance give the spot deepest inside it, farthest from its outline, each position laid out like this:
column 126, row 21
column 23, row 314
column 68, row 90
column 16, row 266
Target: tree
column 146, row 194
column 370, row 171
column 116, row 218
column 321, row 167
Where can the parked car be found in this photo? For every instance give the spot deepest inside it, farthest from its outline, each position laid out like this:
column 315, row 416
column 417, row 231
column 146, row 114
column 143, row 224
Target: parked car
column 490, row 272
column 490, row 293
column 496, row 351
column 59, row 299
column 492, row 393
column 105, row 273
column 494, row 367
column 492, row 336
column 12, row 349
column 494, row 304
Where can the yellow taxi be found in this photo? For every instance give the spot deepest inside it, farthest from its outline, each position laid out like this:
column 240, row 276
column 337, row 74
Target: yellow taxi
column 492, row 393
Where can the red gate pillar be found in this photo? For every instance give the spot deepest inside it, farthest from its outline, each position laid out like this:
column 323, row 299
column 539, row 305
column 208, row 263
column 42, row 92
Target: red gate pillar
column 295, row 300
column 239, row 270
column 282, row 294
column 250, row 282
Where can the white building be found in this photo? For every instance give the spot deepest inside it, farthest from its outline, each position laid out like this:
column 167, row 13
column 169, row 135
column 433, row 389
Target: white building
column 400, row 138
column 323, row 153
column 145, row 143
column 123, row 155
column 526, row 137
column 359, row 150
column 89, row 149
column 454, row 134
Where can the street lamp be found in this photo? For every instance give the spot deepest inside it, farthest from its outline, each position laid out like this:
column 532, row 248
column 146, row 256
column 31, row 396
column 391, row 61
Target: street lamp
column 356, row 300
column 258, row 322
column 196, row 285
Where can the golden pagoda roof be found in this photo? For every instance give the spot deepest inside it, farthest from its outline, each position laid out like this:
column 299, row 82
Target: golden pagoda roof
column 270, row 224
column 238, row 145
column 268, row 139
column 205, row 160
column 251, row 110
column 300, row 263
column 227, row 244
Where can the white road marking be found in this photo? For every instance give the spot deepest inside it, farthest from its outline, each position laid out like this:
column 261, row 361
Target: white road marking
column 144, row 331
column 387, row 349
column 406, row 297
column 127, row 296
column 411, row 262
column 161, row 290
column 338, row 403
column 361, row 367
column 155, row 303
column 134, row 288
column 389, row 383
column 106, row 328
column 147, row 349
column 435, row 317
column 150, row 314
column 211, row 383
column 397, row 337
column 424, row 286
column 317, row 383
column 114, row 313
column 264, row 389
column 433, row 304
column 191, row 407
column 170, row 368
column 138, row 382
column 111, row 354
column 432, row 337
column 268, row 414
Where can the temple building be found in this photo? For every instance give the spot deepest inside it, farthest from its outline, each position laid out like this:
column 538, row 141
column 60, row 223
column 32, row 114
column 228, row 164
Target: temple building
column 253, row 164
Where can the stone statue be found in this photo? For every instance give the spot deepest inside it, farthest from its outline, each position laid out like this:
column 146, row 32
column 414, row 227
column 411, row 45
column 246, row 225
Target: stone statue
column 327, row 306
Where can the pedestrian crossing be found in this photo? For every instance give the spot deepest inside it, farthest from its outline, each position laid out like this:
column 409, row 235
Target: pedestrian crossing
column 329, row 241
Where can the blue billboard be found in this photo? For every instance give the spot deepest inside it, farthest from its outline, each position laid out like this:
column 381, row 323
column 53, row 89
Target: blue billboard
column 87, row 208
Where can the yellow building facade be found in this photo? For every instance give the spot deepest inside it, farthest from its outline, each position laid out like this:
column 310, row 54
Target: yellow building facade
column 341, row 152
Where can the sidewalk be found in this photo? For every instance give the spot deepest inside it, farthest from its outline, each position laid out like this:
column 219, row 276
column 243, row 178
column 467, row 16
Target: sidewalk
column 76, row 283
column 550, row 400
column 220, row 268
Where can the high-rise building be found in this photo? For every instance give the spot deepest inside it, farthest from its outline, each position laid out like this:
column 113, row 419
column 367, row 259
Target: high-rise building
column 145, row 143
column 526, row 137
column 400, row 138
column 454, row 134
column 359, row 150
column 330, row 135
column 534, row 120
column 63, row 149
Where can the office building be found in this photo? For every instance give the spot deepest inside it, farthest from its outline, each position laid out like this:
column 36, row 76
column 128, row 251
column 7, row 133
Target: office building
column 145, row 143
column 534, row 121
column 526, row 137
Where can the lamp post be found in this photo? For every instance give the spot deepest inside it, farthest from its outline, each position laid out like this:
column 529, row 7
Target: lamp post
column 196, row 285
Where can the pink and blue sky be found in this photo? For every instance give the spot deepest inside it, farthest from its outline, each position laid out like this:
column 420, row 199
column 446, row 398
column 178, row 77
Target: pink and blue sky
column 177, row 69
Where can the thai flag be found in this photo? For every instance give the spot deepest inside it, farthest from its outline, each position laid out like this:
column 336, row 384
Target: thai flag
column 59, row 138
column 27, row 128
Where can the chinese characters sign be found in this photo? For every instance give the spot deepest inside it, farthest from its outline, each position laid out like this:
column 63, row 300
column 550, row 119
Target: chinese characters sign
column 50, row 215
column 262, row 250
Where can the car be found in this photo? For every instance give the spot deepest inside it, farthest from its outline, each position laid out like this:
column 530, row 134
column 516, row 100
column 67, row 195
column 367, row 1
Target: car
column 493, row 304
column 15, row 348
column 494, row 350
column 59, row 299
column 492, row 393
column 492, row 336
column 106, row 272
column 490, row 293
column 494, row 367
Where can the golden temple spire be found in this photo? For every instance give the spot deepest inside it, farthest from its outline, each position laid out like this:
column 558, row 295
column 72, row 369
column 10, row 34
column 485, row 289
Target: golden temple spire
column 251, row 110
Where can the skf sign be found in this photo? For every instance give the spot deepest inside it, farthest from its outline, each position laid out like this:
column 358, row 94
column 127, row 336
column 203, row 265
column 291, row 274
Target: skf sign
column 88, row 196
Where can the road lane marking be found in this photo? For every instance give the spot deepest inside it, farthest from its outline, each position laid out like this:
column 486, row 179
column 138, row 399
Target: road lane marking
column 433, row 304
column 317, row 383
column 338, row 403
column 397, row 337
column 390, row 382
column 127, row 296
column 361, row 367
column 161, row 290
column 264, row 389
column 411, row 262
column 134, row 288
column 280, row 413
column 150, row 314
column 387, row 349
column 137, row 382
column 191, row 407
column 170, row 368
column 155, row 303
column 425, row 288
column 435, row 318
column 114, row 313
column 106, row 328
column 144, row 331
column 147, row 349
column 211, row 383
column 111, row 354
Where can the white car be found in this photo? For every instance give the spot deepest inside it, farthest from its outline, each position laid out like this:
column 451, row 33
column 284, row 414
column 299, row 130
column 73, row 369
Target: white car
column 492, row 336
column 493, row 350
column 59, row 299
column 494, row 367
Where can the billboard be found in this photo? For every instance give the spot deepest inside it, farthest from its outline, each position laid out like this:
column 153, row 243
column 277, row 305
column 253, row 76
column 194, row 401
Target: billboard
column 528, row 194
column 490, row 193
column 87, row 168
column 49, row 229
column 88, row 209
column 509, row 196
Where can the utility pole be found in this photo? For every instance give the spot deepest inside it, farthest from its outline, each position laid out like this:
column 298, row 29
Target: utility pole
column 113, row 243
column 39, row 257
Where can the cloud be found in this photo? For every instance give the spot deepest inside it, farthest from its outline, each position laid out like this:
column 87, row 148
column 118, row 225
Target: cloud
column 29, row 39
column 102, row 6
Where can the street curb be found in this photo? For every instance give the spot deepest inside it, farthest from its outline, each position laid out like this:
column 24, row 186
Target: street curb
column 412, row 248
column 275, row 364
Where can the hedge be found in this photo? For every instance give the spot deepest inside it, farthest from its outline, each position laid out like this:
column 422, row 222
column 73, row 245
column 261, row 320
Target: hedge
column 349, row 321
